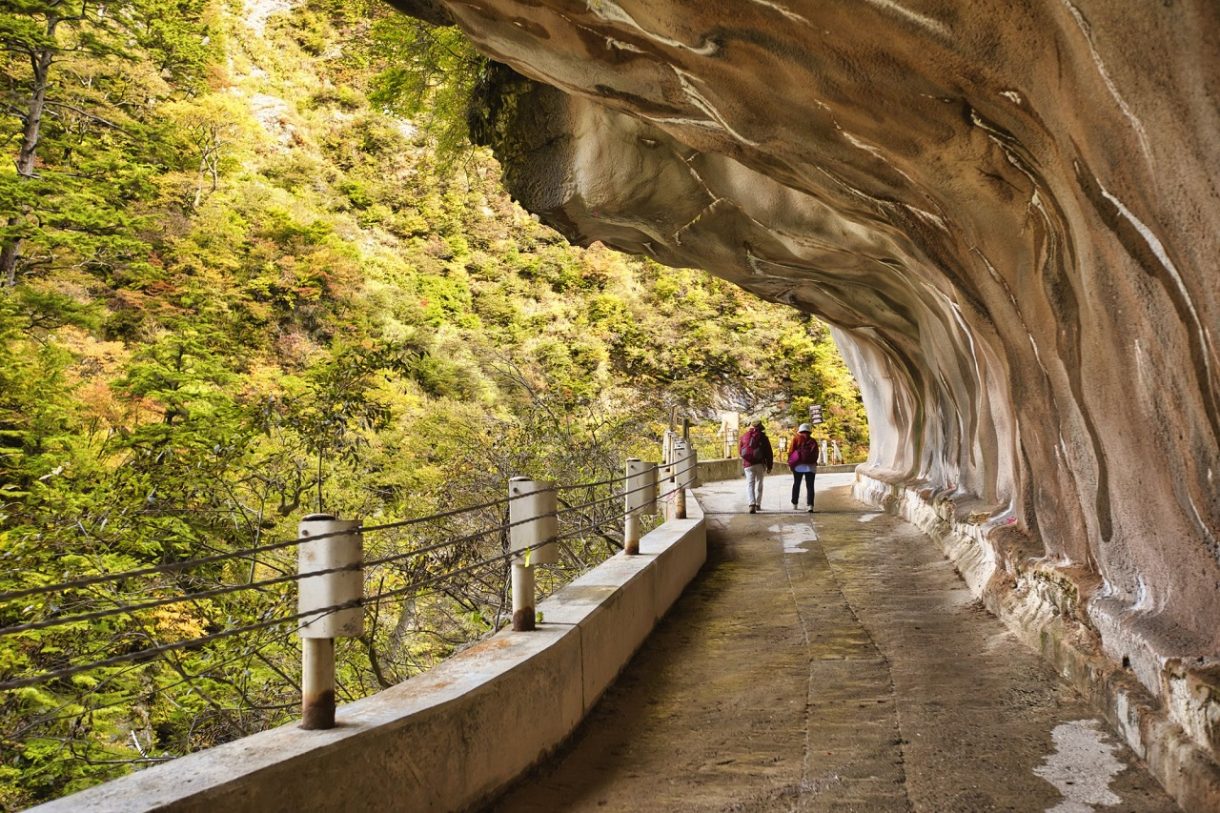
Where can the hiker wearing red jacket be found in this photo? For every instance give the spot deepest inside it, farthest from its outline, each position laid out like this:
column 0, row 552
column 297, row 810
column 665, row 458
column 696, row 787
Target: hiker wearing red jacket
column 757, row 458
column 803, row 460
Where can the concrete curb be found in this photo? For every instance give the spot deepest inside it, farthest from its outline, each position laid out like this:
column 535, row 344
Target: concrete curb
column 453, row 737
column 1043, row 606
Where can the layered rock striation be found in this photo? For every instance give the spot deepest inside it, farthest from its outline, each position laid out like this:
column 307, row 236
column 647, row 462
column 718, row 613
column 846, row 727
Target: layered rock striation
column 1010, row 213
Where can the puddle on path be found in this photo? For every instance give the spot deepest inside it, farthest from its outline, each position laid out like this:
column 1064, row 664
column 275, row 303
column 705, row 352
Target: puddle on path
column 794, row 537
column 1082, row 767
column 868, row 517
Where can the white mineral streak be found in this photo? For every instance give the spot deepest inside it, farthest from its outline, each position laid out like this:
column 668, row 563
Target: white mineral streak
column 1034, row 345
column 1200, row 523
column 960, row 319
column 677, row 238
column 614, row 13
column 622, row 46
column 1158, row 249
column 755, row 263
column 921, row 20
column 701, row 102
column 707, row 124
column 861, row 144
column 928, row 217
column 787, row 12
column 1087, row 31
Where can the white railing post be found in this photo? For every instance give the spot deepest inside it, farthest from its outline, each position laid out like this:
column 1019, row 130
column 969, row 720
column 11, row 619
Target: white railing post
column 338, row 558
column 684, row 475
column 676, row 506
column 641, row 492
column 531, row 513
column 664, row 472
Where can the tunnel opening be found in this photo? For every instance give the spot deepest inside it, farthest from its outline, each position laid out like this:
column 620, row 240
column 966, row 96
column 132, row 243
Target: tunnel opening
column 986, row 221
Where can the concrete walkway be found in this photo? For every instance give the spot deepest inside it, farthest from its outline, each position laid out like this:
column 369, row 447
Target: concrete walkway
column 834, row 662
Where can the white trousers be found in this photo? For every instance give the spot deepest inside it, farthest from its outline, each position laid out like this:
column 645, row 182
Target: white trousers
column 754, row 482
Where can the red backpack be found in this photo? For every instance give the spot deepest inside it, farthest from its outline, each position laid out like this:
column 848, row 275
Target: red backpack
column 805, row 452
column 750, row 447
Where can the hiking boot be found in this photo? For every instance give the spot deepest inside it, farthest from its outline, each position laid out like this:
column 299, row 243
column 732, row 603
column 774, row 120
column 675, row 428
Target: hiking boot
column 753, row 509
column 811, row 509
column 793, row 506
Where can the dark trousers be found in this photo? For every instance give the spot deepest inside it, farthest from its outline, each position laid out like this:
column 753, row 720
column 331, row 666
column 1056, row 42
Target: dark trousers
column 796, row 486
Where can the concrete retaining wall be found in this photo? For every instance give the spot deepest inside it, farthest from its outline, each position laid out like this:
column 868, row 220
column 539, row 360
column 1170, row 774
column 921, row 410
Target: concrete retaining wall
column 452, row 737
column 1043, row 605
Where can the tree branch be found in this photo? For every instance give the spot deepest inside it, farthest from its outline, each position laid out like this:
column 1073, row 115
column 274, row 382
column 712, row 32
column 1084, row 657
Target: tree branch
column 86, row 114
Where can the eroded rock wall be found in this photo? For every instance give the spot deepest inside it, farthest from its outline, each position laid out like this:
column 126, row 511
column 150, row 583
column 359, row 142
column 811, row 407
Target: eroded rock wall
column 1008, row 210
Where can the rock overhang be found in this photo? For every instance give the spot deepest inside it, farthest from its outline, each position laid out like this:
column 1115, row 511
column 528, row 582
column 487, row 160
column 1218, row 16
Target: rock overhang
column 1007, row 211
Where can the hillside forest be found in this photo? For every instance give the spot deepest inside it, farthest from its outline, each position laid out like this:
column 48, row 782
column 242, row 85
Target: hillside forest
column 251, row 270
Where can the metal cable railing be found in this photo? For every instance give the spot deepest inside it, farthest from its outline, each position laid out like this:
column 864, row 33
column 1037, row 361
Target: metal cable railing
column 313, row 614
column 453, row 552
column 62, row 587
column 176, row 567
column 68, row 671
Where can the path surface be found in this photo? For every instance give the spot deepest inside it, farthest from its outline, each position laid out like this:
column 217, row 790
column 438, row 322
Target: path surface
column 834, row 662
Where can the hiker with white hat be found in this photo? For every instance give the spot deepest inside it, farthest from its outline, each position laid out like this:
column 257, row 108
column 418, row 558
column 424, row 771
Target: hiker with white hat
column 803, row 460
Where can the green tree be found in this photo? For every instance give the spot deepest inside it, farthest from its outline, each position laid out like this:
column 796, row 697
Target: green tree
column 430, row 75
column 237, row 257
column 75, row 88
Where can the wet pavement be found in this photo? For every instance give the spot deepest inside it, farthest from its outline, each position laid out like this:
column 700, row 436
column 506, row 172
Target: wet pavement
column 834, row 662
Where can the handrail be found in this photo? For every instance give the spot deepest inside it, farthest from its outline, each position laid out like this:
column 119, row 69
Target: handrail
column 149, row 653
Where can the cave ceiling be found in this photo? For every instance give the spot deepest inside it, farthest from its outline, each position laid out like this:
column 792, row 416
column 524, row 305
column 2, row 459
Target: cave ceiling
column 1008, row 211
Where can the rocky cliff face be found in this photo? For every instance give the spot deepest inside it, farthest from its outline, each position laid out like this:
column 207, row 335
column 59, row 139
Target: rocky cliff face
column 1009, row 210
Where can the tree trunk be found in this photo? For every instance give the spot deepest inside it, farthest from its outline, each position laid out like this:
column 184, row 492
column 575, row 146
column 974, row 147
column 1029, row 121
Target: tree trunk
column 8, row 257
column 27, row 156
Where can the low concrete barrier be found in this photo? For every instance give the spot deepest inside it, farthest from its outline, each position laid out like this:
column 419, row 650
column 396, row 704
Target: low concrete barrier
column 449, row 739
column 725, row 468
column 838, row 468
column 1042, row 605
column 729, row 468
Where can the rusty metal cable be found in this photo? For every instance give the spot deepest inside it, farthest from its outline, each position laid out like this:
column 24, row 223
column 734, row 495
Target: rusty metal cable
column 76, row 669
column 175, row 567
column 237, row 588
column 291, row 577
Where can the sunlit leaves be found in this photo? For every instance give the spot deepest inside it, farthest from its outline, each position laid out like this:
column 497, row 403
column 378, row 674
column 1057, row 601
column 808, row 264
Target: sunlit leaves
column 429, row 77
column 254, row 292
